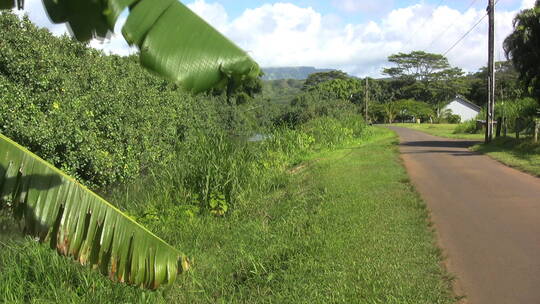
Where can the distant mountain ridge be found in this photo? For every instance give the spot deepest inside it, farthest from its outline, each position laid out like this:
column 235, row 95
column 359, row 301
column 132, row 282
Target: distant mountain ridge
column 299, row 73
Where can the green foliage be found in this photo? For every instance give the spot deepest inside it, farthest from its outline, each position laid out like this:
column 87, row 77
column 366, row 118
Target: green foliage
column 453, row 119
column 467, row 127
column 518, row 114
column 403, row 110
column 513, row 109
column 417, row 65
column 329, row 133
column 240, row 93
column 281, row 91
column 284, row 246
column 425, row 77
column 31, row 273
column 443, row 130
column 411, row 110
column 57, row 210
column 507, row 86
column 314, row 104
column 521, row 46
column 445, row 115
column 296, row 73
column 163, row 32
column 344, row 89
column 99, row 118
column 317, row 78
column 390, row 111
column 522, row 154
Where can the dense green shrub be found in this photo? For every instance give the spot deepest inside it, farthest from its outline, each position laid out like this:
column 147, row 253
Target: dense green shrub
column 409, row 109
column 468, row 126
column 101, row 118
column 453, row 119
column 212, row 172
column 105, row 120
column 315, row 103
column 519, row 114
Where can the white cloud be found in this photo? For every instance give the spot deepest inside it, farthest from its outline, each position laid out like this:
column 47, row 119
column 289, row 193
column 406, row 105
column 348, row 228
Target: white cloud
column 214, row 13
column 114, row 44
column 285, row 34
column 527, row 4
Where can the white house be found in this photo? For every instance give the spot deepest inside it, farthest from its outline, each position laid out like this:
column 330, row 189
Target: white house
column 462, row 107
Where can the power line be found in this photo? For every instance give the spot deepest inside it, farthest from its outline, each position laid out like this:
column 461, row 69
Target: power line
column 449, row 27
column 465, row 35
column 468, row 32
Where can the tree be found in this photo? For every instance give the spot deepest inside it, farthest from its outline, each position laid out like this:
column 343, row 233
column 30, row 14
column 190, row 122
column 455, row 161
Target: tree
column 426, row 77
column 522, row 46
column 417, row 65
column 507, row 84
column 409, row 109
column 390, row 110
column 317, row 78
column 72, row 219
column 344, row 89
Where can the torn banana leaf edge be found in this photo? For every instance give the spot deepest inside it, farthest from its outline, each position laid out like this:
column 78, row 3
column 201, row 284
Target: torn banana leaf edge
column 56, row 209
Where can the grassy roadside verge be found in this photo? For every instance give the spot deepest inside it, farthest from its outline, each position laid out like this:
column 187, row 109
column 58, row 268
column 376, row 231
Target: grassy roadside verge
column 521, row 154
column 348, row 228
column 442, row 130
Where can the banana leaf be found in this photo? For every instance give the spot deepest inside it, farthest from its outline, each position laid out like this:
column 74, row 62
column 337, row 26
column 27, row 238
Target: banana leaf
column 59, row 211
column 173, row 41
column 6, row 4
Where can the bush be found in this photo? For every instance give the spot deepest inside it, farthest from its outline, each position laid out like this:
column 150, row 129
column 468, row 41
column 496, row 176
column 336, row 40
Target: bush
column 102, row 119
column 453, row 119
column 519, row 114
column 105, row 120
column 408, row 110
column 213, row 171
column 467, row 127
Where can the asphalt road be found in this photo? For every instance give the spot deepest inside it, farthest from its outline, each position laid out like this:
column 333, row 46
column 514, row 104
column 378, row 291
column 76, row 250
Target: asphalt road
column 487, row 217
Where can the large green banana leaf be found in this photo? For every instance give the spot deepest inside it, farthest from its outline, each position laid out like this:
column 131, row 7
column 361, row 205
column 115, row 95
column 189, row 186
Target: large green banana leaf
column 58, row 210
column 173, row 41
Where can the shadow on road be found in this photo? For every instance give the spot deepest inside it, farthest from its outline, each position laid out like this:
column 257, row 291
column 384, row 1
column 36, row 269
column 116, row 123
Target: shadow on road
column 441, row 144
column 451, row 152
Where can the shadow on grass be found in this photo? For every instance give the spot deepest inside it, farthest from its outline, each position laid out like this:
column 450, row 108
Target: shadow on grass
column 521, row 148
column 13, row 188
column 522, row 154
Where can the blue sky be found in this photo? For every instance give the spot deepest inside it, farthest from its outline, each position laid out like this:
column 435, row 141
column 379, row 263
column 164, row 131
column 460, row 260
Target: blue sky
column 361, row 10
column 355, row 36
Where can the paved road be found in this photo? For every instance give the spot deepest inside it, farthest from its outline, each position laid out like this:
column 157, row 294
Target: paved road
column 487, row 217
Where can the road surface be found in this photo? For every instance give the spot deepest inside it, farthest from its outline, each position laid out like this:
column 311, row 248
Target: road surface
column 487, row 217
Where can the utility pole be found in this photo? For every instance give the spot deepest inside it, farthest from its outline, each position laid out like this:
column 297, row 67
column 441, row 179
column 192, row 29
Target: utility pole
column 491, row 73
column 367, row 99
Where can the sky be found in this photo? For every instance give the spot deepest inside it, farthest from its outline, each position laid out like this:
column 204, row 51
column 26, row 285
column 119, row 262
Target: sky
column 355, row 36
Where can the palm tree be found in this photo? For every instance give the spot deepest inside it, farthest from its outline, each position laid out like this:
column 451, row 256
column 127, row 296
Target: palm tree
column 174, row 43
column 522, row 46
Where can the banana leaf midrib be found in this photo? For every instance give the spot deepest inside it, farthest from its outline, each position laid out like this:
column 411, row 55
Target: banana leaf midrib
column 64, row 175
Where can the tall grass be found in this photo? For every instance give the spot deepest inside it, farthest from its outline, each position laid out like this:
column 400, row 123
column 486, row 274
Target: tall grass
column 346, row 229
column 214, row 171
column 212, row 176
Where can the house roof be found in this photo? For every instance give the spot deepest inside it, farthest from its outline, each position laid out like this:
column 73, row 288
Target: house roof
column 465, row 102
